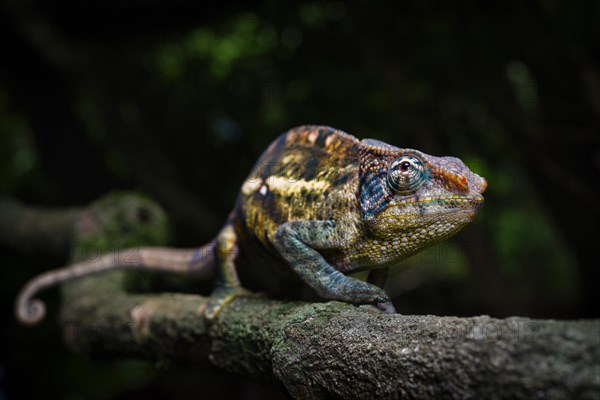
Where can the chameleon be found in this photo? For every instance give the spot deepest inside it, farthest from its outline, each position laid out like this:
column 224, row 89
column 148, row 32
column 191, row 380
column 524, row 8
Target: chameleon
column 318, row 205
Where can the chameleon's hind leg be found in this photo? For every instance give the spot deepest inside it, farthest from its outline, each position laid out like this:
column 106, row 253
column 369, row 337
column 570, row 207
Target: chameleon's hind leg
column 227, row 283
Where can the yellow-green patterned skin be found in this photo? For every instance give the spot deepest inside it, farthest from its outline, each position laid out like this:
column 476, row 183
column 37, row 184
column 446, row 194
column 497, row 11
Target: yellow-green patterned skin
column 313, row 173
column 309, row 173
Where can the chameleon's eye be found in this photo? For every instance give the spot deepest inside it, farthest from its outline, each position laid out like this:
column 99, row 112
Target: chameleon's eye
column 406, row 174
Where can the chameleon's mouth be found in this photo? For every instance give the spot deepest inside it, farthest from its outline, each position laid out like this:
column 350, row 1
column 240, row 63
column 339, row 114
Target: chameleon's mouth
column 432, row 205
column 446, row 201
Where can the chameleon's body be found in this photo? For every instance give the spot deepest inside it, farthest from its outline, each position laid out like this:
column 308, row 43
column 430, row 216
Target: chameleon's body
column 319, row 203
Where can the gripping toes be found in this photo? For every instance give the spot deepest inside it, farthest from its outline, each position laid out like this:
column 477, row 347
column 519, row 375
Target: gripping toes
column 372, row 294
column 220, row 298
column 361, row 292
column 338, row 286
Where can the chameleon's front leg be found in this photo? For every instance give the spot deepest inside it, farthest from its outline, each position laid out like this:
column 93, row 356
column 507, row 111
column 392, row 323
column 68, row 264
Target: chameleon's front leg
column 297, row 242
column 227, row 283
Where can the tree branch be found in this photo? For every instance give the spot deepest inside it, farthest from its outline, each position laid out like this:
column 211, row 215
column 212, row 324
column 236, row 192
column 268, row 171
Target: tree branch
column 322, row 350
column 335, row 350
column 32, row 229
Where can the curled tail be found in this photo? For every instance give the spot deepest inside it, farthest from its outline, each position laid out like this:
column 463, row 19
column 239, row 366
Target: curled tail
column 199, row 261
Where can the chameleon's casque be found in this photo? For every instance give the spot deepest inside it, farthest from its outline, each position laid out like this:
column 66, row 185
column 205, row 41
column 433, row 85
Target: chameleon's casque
column 320, row 203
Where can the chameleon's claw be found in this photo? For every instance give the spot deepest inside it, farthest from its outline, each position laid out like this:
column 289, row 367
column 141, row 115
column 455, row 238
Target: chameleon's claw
column 386, row 307
column 220, row 297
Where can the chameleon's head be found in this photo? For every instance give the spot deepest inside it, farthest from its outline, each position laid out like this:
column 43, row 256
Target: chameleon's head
column 412, row 200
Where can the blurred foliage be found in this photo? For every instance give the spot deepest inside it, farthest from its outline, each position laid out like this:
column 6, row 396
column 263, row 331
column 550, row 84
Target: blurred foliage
column 179, row 99
column 18, row 155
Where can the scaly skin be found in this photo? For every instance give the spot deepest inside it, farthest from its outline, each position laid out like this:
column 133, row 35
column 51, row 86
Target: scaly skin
column 320, row 203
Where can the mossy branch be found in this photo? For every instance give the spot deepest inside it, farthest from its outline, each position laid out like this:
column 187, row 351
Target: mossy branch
column 335, row 350
column 322, row 350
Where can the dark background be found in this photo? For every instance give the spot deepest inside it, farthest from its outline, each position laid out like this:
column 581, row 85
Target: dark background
column 177, row 100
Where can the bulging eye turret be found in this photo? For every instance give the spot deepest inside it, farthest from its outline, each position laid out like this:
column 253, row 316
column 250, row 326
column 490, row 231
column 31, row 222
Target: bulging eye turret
column 406, row 174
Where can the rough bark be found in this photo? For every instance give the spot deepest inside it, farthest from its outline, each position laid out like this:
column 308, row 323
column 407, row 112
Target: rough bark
column 321, row 350
column 335, row 350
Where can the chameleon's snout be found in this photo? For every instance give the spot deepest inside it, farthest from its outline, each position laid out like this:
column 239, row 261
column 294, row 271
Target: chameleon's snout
column 484, row 185
column 477, row 183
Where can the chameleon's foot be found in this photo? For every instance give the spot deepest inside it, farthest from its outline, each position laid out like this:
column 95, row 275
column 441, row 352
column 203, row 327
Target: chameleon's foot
column 386, row 307
column 220, row 297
